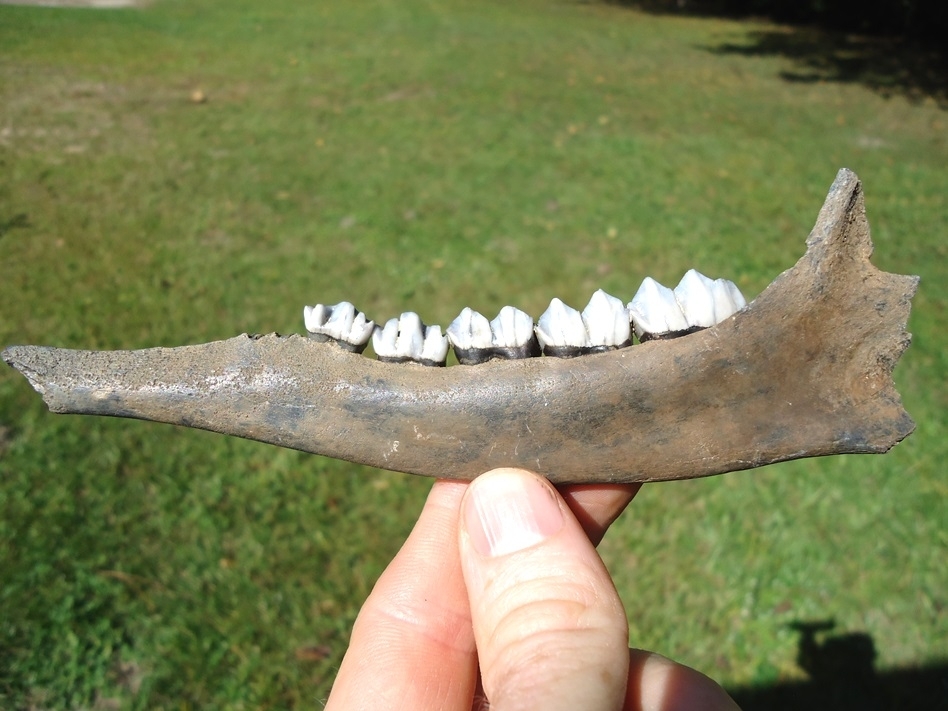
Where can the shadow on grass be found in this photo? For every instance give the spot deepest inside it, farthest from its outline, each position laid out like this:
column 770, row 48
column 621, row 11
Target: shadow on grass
column 843, row 678
column 18, row 221
column 891, row 65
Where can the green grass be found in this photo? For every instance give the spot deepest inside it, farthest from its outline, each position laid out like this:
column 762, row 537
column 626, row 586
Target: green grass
column 419, row 156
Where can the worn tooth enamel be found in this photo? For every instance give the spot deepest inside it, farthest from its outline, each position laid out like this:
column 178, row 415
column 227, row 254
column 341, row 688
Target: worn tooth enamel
column 361, row 330
column 342, row 323
column 561, row 327
column 435, row 348
column 384, row 339
column 607, row 321
column 411, row 336
column 728, row 299
column 694, row 294
column 407, row 338
column 315, row 317
column 469, row 330
column 655, row 311
column 512, row 328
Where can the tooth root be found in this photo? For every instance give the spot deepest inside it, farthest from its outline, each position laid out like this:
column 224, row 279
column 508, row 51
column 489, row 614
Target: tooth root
column 655, row 311
column 607, row 321
column 561, row 331
column 342, row 323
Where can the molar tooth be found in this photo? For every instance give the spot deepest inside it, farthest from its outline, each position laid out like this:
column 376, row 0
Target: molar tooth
column 469, row 330
column 511, row 329
column 470, row 336
column 695, row 296
column 561, row 330
column 655, row 311
column 342, row 323
column 728, row 299
column 607, row 322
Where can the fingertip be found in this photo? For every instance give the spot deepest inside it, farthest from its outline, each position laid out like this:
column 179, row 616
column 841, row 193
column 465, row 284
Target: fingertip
column 549, row 625
column 659, row 684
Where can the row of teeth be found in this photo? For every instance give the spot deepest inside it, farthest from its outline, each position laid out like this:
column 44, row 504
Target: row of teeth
column 605, row 324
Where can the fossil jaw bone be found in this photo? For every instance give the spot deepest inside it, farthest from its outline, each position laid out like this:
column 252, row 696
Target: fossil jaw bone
column 804, row 370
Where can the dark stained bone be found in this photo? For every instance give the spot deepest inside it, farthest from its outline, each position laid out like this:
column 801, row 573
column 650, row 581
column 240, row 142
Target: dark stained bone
column 805, row 370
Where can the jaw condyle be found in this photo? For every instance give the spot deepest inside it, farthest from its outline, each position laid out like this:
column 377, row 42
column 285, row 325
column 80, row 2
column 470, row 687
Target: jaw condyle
column 804, row 370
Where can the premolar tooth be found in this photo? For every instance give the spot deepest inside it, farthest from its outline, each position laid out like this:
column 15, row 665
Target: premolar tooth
column 607, row 322
column 655, row 311
column 561, row 330
column 342, row 323
column 695, row 296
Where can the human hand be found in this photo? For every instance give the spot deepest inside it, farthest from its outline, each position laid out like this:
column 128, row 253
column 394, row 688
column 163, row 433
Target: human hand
column 499, row 600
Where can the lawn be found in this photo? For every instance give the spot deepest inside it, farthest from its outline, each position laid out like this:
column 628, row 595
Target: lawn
column 192, row 170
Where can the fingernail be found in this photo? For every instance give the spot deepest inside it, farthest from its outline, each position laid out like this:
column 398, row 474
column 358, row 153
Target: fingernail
column 505, row 512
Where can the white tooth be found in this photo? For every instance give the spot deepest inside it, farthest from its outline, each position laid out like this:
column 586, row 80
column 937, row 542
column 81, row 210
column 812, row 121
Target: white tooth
column 512, row 328
column 435, row 348
column 315, row 317
column 728, row 299
column 561, row 325
column 654, row 310
column 469, row 330
column 361, row 330
column 695, row 297
column 607, row 320
column 384, row 339
column 340, row 322
column 411, row 338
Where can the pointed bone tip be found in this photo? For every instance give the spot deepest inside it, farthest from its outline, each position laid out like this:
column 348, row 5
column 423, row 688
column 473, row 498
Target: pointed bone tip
column 25, row 359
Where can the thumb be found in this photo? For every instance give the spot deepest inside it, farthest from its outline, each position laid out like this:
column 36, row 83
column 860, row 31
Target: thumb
column 550, row 629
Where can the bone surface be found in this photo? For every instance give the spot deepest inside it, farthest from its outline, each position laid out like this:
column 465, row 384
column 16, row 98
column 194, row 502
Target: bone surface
column 746, row 392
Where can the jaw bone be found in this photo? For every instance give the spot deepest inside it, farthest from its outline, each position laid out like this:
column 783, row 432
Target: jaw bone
column 804, row 370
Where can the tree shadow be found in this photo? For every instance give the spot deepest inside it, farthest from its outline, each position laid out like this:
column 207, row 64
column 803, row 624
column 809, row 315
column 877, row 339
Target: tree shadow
column 888, row 66
column 894, row 64
column 843, row 678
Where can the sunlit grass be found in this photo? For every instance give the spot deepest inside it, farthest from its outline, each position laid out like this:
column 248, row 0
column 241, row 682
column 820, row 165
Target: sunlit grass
column 425, row 157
